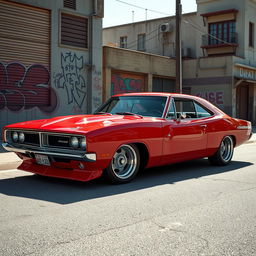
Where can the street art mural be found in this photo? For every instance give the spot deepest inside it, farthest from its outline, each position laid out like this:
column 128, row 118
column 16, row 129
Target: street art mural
column 24, row 87
column 215, row 97
column 122, row 83
column 71, row 79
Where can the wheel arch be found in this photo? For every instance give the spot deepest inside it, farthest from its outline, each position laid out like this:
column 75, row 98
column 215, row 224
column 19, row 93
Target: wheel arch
column 144, row 154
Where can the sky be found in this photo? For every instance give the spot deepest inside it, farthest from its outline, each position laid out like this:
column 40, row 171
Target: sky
column 116, row 12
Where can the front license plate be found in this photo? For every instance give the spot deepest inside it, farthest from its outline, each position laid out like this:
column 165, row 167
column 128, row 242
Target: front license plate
column 42, row 159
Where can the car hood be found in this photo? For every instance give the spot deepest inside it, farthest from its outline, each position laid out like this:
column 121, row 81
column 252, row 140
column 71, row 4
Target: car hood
column 77, row 123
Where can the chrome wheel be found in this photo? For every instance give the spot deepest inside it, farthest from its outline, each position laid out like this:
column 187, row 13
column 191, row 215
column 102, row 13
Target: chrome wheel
column 124, row 162
column 226, row 149
column 225, row 152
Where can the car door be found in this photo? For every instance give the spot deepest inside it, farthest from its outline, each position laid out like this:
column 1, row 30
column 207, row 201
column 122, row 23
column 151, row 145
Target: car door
column 184, row 132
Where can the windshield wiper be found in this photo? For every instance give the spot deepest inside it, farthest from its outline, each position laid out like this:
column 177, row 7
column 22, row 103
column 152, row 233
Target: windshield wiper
column 128, row 114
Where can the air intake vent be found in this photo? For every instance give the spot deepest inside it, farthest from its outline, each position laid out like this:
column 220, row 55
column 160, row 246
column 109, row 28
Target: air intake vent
column 70, row 4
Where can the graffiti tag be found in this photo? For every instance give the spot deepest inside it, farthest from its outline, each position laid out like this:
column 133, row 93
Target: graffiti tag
column 71, row 78
column 26, row 87
column 121, row 84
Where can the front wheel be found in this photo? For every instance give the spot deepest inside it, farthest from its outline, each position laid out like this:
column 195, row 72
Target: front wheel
column 225, row 152
column 124, row 164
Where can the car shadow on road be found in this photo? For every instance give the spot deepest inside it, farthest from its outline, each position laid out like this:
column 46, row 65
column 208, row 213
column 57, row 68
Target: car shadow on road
column 67, row 191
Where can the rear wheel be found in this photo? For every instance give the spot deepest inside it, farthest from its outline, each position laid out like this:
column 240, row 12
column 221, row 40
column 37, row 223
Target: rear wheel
column 225, row 152
column 124, row 164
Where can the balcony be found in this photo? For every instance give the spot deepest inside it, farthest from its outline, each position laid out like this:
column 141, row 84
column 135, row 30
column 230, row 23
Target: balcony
column 215, row 46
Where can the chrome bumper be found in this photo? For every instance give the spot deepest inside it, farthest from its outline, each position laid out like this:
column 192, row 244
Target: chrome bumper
column 88, row 157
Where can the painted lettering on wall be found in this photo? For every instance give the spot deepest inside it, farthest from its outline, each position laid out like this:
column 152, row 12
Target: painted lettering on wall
column 26, row 87
column 217, row 98
column 96, row 89
column 121, row 83
column 71, row 78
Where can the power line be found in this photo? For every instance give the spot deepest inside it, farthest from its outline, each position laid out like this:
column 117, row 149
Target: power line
column 139, row 7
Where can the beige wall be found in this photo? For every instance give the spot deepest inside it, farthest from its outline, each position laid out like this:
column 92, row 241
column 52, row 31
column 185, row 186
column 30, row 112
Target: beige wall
column 135, row 62
column 156, row 41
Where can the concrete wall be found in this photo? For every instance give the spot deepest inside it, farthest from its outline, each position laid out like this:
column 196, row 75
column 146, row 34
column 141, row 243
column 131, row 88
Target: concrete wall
column 85, row 94
column 211, row 78
column 137, row 63
column 156, row 41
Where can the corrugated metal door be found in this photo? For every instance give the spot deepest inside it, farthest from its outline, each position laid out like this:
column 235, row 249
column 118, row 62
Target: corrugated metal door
column 163, row 85
column 24, row 56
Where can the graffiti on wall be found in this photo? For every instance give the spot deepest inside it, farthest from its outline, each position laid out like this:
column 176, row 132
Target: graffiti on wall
column 26, row 87
column 71, row 79
column 215, row 97
column 121, row 83
column 97, row 90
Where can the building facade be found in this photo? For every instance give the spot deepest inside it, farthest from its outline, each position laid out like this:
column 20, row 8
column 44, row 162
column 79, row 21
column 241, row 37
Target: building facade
column 218, row 49
column 50, row 58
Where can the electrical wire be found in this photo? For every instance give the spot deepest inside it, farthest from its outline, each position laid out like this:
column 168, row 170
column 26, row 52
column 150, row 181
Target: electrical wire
column 195, row 26
column 139, row 7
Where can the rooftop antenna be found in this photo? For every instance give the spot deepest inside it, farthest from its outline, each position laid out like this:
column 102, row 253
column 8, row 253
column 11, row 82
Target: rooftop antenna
column 132, row 16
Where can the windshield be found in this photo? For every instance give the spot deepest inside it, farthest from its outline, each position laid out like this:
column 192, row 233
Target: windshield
column 152, row 106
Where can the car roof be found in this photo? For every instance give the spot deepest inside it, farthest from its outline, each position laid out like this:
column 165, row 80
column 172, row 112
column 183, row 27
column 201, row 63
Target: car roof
column 166, row 94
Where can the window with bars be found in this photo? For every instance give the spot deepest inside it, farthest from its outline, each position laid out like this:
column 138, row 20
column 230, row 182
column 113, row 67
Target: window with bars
column 222, row 32
column 141, row 44
column 123, row 42
column 74, row 30
column 251, row 34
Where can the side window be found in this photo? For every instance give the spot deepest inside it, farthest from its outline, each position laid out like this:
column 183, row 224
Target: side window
column 171, row 114
column 185, row 108
column 201, row 111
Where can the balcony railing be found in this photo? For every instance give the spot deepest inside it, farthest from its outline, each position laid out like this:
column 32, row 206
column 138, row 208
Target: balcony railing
column 211, row 41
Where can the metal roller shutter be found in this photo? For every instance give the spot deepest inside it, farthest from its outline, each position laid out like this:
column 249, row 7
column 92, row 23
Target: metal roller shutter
column 24, row 56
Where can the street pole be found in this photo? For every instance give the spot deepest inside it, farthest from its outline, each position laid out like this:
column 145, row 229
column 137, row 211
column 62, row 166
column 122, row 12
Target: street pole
column 178, row 48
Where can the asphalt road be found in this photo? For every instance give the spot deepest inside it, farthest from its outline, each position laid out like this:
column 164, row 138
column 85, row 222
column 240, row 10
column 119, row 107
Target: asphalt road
column 183, row 209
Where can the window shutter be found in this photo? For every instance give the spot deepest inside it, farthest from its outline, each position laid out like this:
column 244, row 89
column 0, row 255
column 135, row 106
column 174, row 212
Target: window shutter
column 74, row 30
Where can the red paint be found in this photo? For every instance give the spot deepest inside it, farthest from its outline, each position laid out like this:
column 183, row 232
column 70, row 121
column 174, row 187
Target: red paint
column 26, row 87
column 167, row 141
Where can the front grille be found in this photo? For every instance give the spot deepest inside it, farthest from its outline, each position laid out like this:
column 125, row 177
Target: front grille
column 59, row 141
column 46, row 141
column 32, row 138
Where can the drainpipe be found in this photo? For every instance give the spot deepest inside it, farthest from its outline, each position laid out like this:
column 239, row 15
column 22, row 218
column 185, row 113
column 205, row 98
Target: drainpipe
column 90, row 66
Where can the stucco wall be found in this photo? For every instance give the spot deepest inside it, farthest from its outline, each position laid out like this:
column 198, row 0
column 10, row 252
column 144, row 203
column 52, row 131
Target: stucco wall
column 137, row 63
column 83, row 93
column 211, row 78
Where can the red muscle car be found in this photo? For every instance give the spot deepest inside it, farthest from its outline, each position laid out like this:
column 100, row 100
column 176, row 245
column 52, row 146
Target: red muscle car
column 127, row 133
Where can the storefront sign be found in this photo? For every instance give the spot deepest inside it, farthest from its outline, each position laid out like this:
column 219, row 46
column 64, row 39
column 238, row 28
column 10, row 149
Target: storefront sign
column 245, row 72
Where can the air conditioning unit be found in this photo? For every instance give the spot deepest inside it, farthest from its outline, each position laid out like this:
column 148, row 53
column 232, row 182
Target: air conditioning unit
column 166, row 27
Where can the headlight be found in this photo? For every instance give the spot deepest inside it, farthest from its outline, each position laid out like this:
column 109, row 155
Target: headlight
column 21, row 137
column 15, row 136
column 74, row 142
column 83, row 143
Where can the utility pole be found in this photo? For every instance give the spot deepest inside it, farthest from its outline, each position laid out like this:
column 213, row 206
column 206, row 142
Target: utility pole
column 178, row 48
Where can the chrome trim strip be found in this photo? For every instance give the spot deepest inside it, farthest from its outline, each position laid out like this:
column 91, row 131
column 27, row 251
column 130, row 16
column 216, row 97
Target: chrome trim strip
column 89, row 157
column 241, row 127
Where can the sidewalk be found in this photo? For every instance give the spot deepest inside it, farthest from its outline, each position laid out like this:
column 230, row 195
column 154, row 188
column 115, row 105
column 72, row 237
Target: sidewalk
column 9, row 160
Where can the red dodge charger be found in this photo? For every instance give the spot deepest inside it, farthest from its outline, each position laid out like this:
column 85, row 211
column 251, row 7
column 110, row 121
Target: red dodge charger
column 127, row 133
